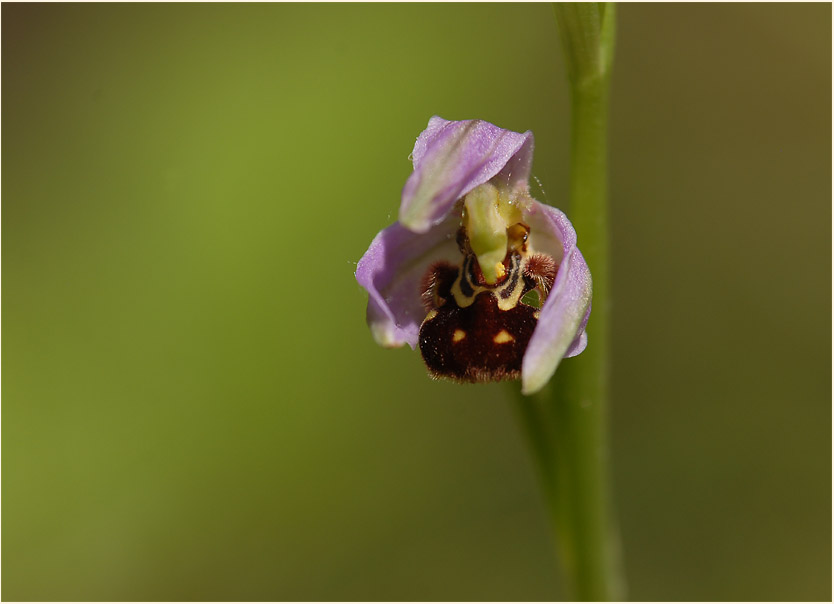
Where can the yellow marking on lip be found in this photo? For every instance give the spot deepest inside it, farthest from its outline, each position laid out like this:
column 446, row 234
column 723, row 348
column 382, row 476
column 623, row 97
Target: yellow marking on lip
column 458, row 335
column 503, row 337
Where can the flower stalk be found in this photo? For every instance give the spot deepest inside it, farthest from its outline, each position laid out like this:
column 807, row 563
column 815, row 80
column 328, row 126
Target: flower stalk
column 567, row 421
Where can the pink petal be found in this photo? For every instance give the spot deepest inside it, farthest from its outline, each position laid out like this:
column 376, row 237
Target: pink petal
column 452, row 158
column 561, row 328
column 392, row 271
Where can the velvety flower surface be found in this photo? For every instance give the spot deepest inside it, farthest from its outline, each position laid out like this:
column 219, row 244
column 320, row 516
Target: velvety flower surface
column 453, row 274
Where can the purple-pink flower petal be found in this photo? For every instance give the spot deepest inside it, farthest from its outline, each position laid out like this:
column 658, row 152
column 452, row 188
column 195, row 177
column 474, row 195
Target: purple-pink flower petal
column 452, row 158
column 392, row 270
column 561, row 328
column 581, row 341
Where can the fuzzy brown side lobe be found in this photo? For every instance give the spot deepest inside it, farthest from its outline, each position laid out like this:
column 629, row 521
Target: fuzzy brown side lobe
column 541, row 269
column 436, row 287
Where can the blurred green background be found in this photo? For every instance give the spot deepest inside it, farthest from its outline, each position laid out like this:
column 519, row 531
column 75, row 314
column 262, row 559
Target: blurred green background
column 193, row 407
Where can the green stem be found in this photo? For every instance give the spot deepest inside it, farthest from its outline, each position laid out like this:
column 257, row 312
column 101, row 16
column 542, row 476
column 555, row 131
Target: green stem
column 568, row 422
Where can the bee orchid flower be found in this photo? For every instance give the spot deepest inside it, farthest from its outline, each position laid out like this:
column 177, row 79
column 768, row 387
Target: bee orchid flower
column 455, row 274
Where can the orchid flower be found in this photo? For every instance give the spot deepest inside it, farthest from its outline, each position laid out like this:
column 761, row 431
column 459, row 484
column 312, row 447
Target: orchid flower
column 455, row 272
